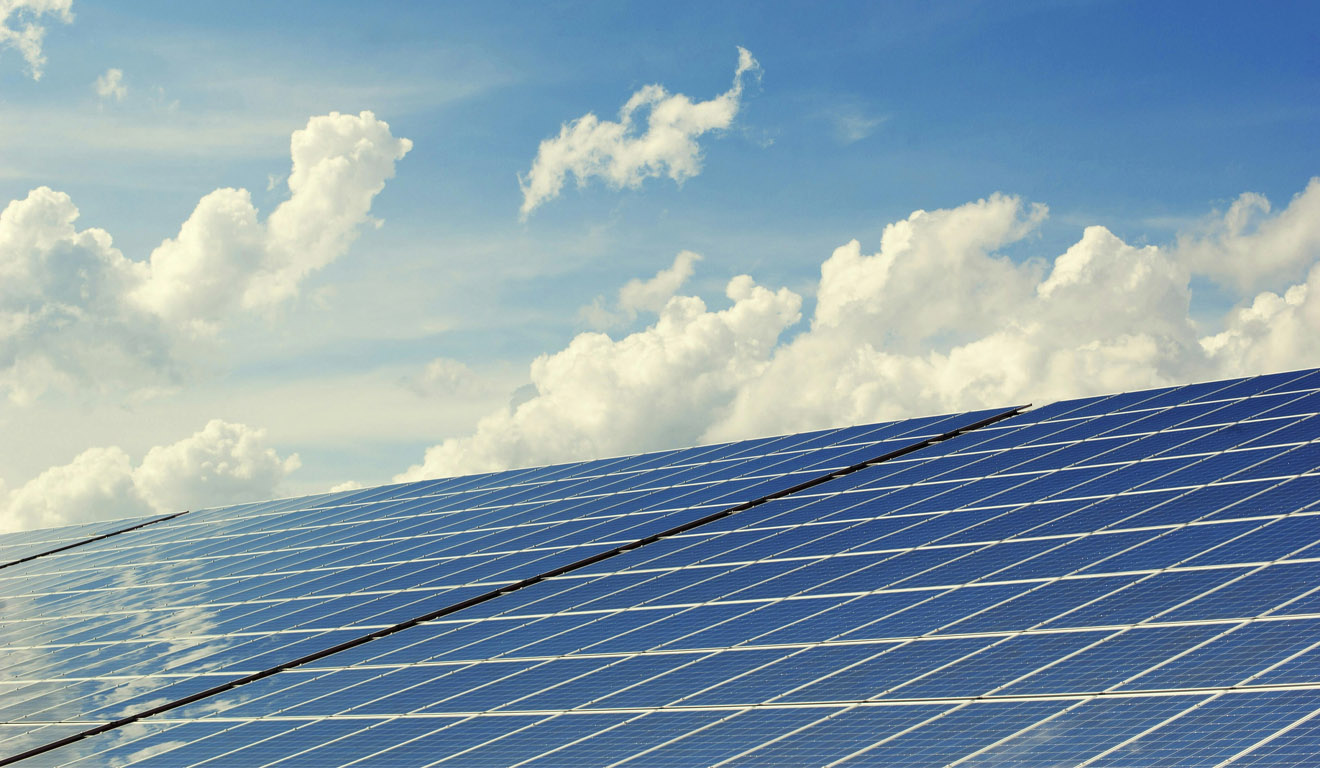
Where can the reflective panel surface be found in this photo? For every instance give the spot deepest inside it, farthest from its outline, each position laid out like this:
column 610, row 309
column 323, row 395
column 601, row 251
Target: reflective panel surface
column 1115, row 581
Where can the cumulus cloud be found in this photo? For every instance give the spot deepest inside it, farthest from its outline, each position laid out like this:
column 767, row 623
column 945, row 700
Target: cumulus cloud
column 934, row 278
column 225, row 258
column 623, row 155
column 66, row 313
column 649, row 389
column 223, row 463
column 1247, row 248
column 637, row 296
column 22, row 28
column 963, row 327
column 937, row 320
column 96, row 485
column 1275, row 331
column 76, row 312
column 110, row 86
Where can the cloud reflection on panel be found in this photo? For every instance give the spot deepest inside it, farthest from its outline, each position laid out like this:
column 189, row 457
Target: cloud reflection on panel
column 937, row 320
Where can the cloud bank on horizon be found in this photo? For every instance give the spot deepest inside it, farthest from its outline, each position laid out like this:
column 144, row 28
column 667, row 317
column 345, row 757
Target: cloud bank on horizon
column 616, row 152
column 221, row 463
column 937, row 320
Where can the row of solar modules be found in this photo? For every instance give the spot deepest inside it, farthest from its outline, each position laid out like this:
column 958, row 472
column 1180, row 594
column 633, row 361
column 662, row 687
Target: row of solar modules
column 102, row 631
column 1241, row 729
column 1095, row 580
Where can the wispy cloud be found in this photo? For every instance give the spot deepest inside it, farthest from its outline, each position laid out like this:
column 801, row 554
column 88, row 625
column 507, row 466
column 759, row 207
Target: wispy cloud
column 110, row 85
column 851, row 126
column 624, row 156
column 22, row 27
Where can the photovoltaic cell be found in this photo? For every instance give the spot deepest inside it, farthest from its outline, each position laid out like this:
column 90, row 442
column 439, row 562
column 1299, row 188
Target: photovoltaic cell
column 1118, row 580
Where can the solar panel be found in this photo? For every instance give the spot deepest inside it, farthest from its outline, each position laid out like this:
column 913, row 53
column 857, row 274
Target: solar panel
column 1131, row 579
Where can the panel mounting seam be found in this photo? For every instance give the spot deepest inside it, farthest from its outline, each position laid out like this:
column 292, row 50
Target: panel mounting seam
column 93, row 539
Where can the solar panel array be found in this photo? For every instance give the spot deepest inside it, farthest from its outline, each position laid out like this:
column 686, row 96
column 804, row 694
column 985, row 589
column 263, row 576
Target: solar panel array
column 1115, row 581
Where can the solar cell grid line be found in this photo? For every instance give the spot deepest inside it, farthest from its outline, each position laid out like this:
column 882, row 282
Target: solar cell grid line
column 391, row 753
column 995, row 415
column 878, row 486
column 836, row 736
column 1046, row 722
column 892, row 751
column 1217, row 720
column 799, row 649
column 1294, row 744
column 1212, row 663
column 1248, row 624
column 1135, row 401
column 1155, row 728
column 1150, row 575
column 1078, row 732
column 722, row 739
column 784, row 733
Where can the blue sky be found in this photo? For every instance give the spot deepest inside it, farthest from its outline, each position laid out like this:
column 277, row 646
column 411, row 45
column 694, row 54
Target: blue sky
column 1147, row 120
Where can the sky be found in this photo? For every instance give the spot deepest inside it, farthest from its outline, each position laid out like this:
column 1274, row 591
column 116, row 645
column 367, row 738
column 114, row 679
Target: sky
column 251, row 250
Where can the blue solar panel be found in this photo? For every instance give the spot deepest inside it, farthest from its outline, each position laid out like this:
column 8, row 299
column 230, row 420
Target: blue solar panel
column 1109, row 581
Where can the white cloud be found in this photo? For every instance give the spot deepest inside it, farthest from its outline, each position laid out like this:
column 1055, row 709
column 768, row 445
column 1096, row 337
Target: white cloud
column 937, row 320
column 1274, row 332
column 946, row 324
column 97, row 485
column 221, row 464
column 75, row 312
column 851, row 125
column 623, row 157
column 443, row 377
column 1248, row 249
column 21, row 27
column 110, row 86
column 66, row 318
column 934, row 278
column 654, row 388
column 637, row 296
column 225, row 258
